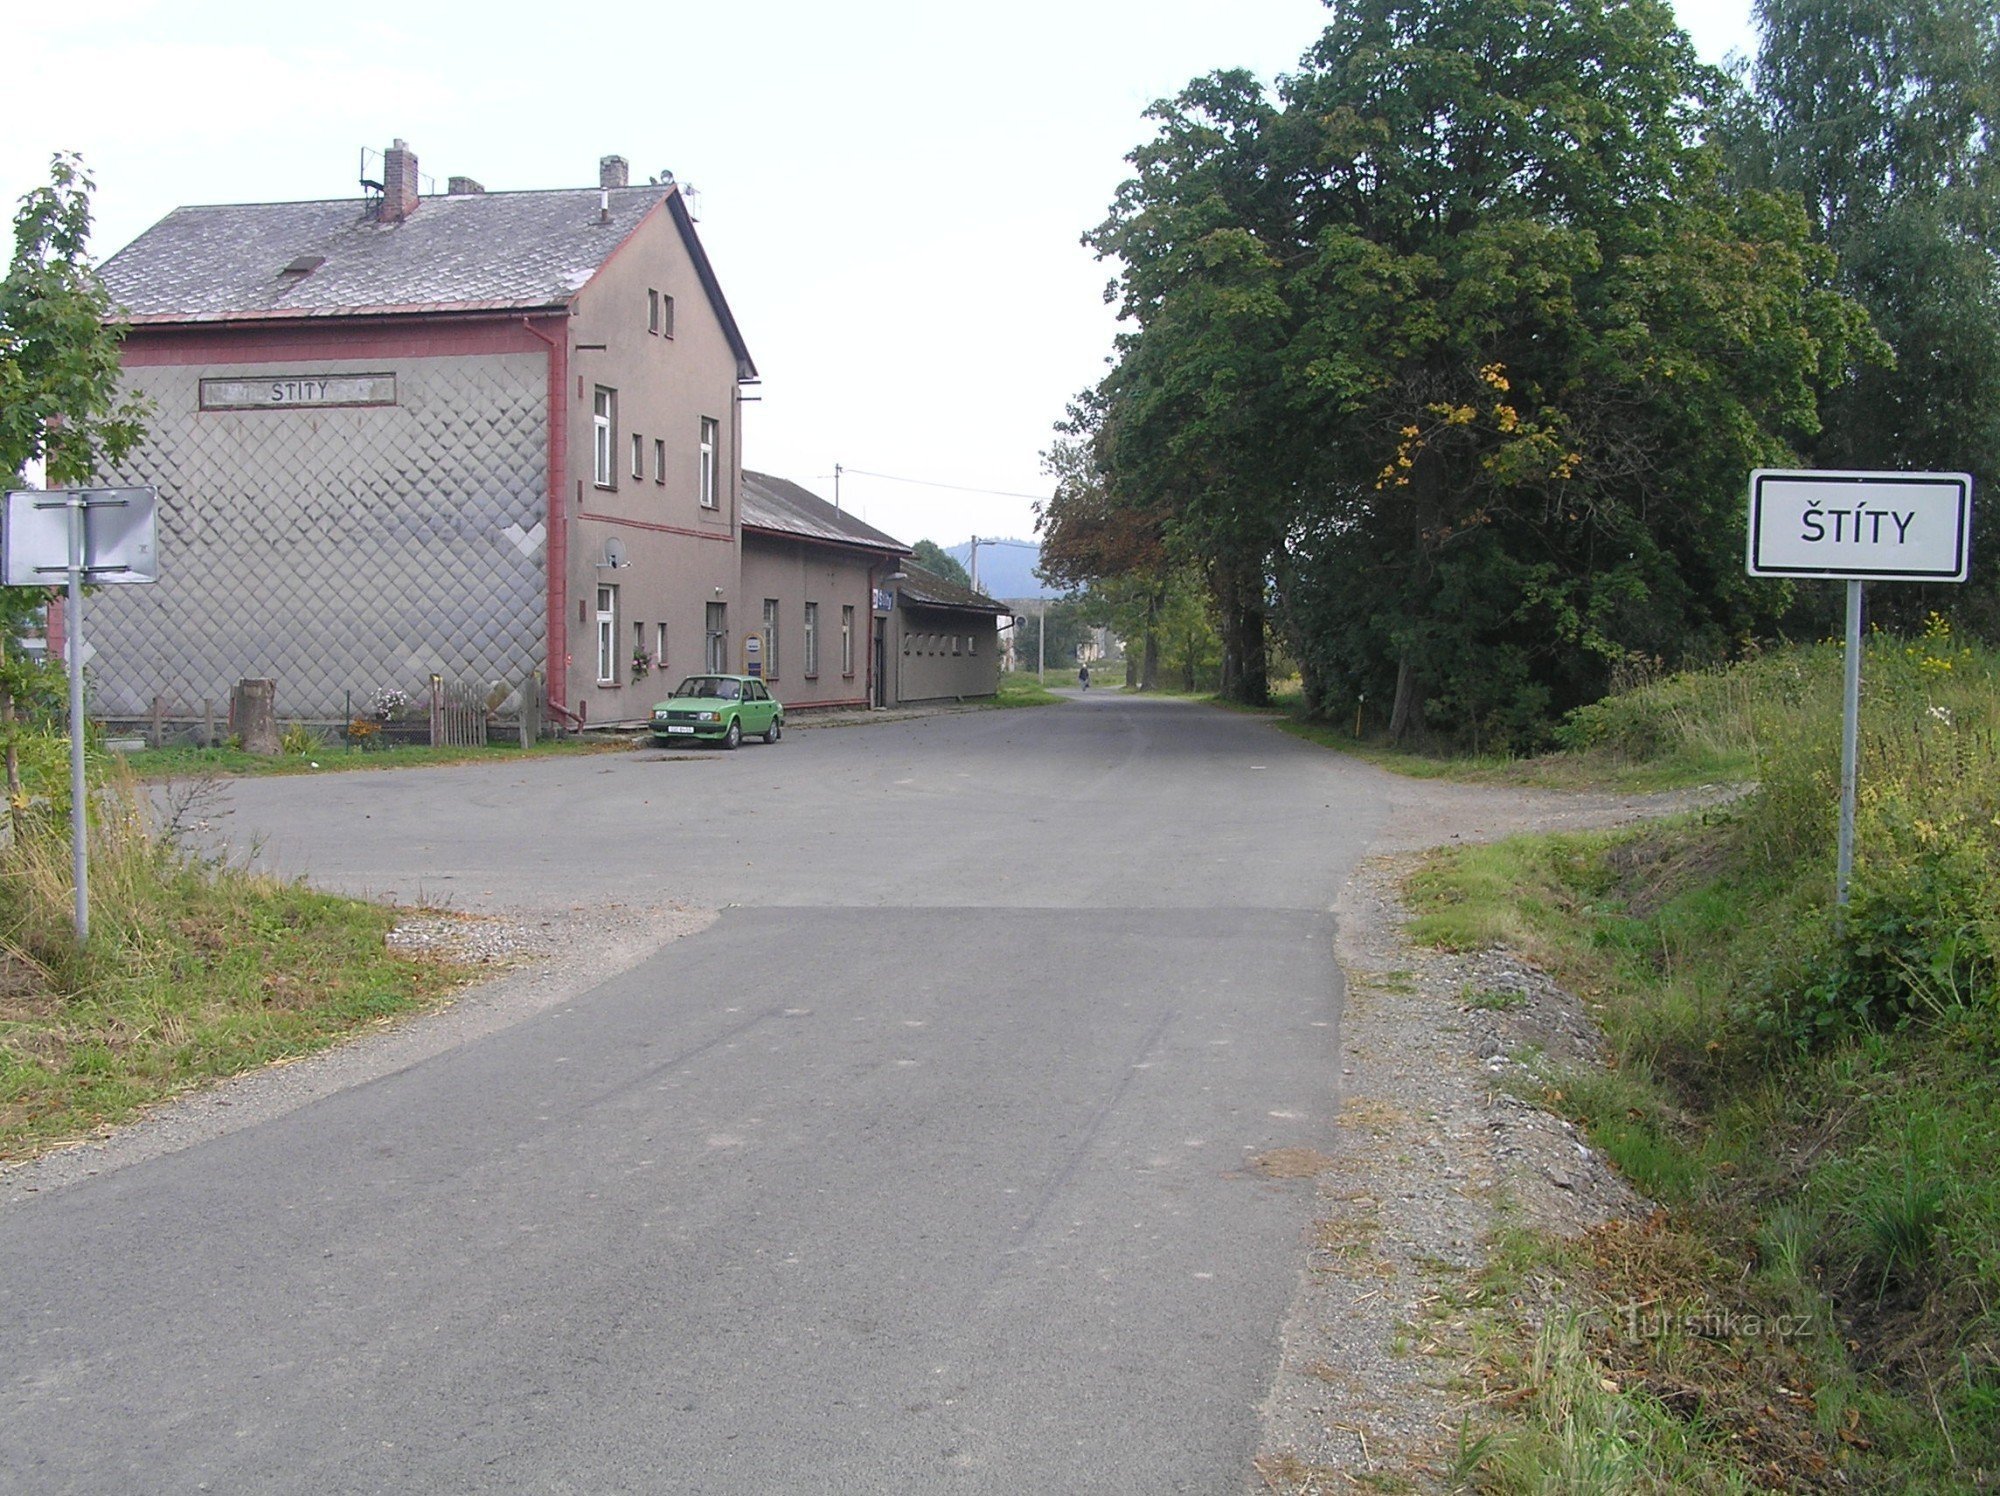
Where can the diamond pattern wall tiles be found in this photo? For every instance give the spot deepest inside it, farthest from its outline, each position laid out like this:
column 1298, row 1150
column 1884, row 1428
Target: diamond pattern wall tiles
column 334, row 550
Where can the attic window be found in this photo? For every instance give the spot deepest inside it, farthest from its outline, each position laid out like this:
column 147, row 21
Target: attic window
column 304, row 265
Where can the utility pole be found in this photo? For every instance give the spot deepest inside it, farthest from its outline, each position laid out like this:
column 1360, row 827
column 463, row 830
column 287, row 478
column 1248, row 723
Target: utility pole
column 836, row 485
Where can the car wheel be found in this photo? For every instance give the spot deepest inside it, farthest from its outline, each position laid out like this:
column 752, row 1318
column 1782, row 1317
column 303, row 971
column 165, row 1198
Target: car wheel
column 734, row 736
column 775, row 731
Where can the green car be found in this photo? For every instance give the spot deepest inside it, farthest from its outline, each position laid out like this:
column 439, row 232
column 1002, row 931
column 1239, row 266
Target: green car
column 724, row 708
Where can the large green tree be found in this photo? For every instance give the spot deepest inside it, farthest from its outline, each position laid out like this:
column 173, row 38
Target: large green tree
column 1884, row 115
column 940, row 562
column 60, row 402
column 1460, row 351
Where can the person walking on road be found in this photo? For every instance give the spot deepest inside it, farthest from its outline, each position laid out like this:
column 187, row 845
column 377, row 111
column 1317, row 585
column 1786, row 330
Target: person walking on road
column 1083, row 676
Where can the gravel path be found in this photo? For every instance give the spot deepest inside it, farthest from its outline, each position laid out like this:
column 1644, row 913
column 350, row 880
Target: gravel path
column 1433, row 1156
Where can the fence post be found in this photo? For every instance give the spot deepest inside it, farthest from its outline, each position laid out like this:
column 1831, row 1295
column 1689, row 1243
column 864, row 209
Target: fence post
column 531, row 708
column 159, row 712
column 437, row 710
column 255, row 707
column 207, row 722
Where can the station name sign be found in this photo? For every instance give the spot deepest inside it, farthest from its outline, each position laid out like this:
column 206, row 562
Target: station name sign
column 1886, row 527
column 294, row 391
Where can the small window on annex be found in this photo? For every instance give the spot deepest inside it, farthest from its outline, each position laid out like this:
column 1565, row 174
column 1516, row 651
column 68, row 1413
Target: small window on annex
column 652, row 311
column 666, row 315
column 812, row 639
column 659, row 459
column 847, row 639
column 638, row 455
column 718, row 638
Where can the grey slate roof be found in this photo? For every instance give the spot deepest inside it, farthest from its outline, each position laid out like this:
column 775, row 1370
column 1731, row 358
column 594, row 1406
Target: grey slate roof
column 781, row 506
column 499, row 250
column 490, row 251
column 928, row 589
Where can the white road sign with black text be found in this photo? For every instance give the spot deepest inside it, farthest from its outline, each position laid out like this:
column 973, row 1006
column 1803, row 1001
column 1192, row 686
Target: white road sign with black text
column 1871, row 527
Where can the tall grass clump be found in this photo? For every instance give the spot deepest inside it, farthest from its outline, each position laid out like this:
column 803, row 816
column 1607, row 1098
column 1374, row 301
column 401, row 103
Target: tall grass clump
column 194, row 969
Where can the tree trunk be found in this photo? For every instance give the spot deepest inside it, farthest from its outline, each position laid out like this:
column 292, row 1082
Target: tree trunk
column 255, row 708
column 1408, row 713
column 1240, row 601
column 1149, row 668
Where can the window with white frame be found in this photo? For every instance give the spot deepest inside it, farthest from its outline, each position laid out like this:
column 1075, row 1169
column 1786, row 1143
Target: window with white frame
column 660, row 459
column 638, row 455
column 812, row 639
column 659, row 646
column 666, row 315
column 847, row 639
column 607, row 636
column 603, row 418
column 708, row 433
column 771, row 638
column 652, row 311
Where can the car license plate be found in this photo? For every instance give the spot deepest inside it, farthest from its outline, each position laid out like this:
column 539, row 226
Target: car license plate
column 678, row 727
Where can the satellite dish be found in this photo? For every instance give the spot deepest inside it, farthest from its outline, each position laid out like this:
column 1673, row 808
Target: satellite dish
column 614, row 553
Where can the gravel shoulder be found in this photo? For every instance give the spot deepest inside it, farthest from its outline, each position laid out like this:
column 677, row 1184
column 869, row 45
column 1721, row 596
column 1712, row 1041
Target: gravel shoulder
column 1433, row 1156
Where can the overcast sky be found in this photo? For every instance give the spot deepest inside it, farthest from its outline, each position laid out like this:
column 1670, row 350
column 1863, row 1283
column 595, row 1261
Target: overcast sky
column 891, row 190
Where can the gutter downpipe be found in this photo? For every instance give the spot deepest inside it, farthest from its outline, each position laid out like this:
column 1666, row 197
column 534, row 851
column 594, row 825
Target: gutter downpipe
column 558, row 533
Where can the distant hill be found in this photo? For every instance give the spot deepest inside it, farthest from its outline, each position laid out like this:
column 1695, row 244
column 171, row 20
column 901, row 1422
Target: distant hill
column 1006, row 569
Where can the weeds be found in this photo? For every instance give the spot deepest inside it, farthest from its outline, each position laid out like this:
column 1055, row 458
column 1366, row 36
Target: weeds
column 1814, row 1094
column 194, row 969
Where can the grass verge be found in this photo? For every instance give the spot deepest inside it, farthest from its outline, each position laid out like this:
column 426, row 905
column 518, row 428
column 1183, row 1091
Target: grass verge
column 316, row 755
column 1022, row 688
column 1813, row 1099
column 194, row 971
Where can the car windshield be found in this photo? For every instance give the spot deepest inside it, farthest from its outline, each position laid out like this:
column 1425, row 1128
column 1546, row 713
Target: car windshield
column 711, row 686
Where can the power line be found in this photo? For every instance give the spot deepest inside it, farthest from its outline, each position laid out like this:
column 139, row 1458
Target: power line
column 1002, row 493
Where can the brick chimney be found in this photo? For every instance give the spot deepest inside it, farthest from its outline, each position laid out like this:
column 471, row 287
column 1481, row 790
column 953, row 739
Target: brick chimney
column 399, row 183
column 613, row 171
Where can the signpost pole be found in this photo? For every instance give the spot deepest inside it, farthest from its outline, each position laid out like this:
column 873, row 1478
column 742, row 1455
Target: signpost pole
column 79, row 808
column 1850, row 740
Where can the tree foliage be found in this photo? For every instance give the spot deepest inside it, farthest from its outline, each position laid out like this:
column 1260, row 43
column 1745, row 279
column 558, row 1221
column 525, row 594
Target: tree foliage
column 1884, row 115
column 60, row 401
column 940, row 562
column 1457, row 352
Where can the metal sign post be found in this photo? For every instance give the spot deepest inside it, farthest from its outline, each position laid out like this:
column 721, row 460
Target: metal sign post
column 93, row 535
column 1858, row 527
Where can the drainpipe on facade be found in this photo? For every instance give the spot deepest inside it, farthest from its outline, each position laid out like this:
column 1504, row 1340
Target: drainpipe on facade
column 558, row 521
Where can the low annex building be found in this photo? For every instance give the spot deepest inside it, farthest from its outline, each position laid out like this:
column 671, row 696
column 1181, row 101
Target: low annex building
column 815, row 574
column 946, row 639
column 474, row 434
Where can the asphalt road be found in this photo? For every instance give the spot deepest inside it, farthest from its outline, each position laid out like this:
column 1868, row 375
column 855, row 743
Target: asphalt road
column 929, row 1166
